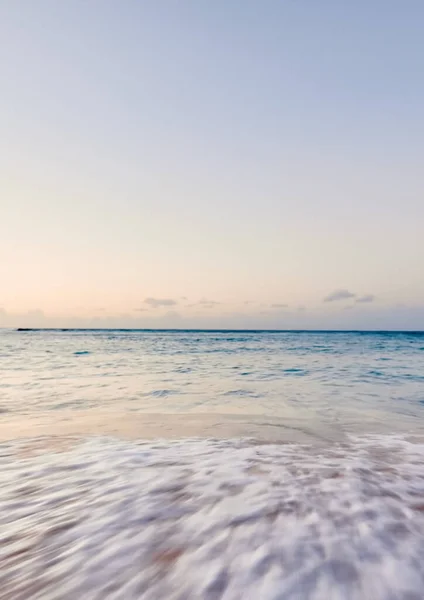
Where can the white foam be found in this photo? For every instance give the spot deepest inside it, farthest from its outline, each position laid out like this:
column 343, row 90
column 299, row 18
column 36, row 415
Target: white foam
column 211, row 519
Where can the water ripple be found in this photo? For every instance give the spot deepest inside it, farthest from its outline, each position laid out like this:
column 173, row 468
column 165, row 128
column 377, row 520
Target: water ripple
column 336, row 377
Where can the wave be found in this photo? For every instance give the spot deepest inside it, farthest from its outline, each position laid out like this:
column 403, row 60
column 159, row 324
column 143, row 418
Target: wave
column 213, row 519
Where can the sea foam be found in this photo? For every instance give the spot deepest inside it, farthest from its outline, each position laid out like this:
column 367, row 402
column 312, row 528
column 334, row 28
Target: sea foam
column 209, row 519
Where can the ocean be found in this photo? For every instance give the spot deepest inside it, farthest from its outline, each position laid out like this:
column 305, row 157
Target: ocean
column 211, row 464
column 328, row 381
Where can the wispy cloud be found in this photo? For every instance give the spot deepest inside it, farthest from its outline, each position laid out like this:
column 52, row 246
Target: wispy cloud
column 365, row 299
column 205, row 303
column 395, row 317
column 279, row 305
column 338, row 295
column 158, row 302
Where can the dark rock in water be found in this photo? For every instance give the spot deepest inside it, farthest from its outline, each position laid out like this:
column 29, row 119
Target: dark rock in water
column 24, row 329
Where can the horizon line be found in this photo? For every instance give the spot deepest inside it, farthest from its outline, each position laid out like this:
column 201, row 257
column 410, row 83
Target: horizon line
column 206, row 330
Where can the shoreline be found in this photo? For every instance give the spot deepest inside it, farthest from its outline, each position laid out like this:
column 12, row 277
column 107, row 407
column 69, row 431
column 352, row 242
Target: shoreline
column 138, row 425
column 150, row 426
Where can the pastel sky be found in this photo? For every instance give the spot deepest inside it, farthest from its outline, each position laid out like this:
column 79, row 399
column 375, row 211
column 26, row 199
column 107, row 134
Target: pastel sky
column 225, row 163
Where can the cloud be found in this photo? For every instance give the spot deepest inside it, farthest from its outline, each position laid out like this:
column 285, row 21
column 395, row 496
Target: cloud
column 279, row 305
column 339, row 295
column 372, row 316
column 141, row 309
column 204, row 303
column 158, row 302
column 365, row 299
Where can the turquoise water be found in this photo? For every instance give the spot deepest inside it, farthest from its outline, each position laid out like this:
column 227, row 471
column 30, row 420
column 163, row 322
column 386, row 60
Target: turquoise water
column 332, row 379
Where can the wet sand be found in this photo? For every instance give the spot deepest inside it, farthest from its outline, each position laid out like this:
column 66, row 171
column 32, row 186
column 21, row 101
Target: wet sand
column 169, row 426
column 150, row 426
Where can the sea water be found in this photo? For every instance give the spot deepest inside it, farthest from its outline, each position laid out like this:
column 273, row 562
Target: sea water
column 334, row 378
column 330, row 508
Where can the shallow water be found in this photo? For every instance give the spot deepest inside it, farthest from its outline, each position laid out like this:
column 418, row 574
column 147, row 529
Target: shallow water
column 352, row 381
column 205, row 519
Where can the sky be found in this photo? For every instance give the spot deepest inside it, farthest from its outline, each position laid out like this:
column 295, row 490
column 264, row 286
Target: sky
column 232, row 163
